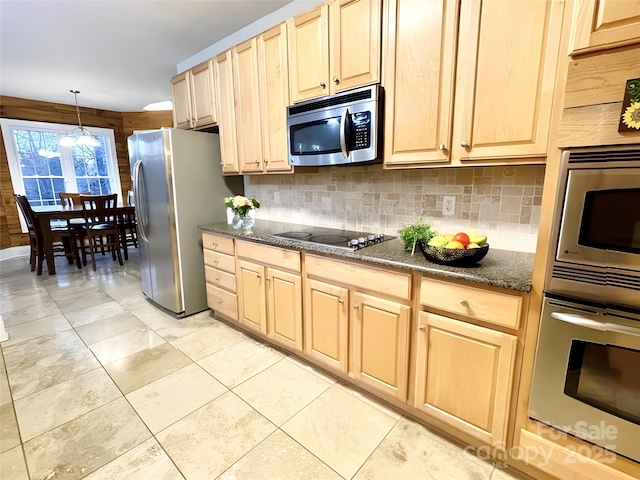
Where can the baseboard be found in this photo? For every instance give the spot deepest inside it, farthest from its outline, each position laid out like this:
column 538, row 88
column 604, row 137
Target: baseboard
column 12, row 252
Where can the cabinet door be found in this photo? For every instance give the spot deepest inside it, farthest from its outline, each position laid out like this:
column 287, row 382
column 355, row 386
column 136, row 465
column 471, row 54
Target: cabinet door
column 274, row 97
column 604, row 24
column 507, row 57
column 309, row 54
column 248, row 125
column 325, row 324
column 464, row 375
column 202, row 95
column 284, row 299
column 223, row 82
column 181, row 95
column 419, row 76
column 356, row 34
column 380, row 344
column 252, row 301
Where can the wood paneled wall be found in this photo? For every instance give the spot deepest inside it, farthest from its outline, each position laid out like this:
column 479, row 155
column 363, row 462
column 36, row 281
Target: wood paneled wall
column 122, row 125
column 593, row 98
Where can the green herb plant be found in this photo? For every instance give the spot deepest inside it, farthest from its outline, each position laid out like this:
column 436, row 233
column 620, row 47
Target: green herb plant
column 419, row 231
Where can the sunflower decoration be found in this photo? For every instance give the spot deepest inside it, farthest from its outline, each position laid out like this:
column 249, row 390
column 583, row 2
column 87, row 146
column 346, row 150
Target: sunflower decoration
column 630, row 117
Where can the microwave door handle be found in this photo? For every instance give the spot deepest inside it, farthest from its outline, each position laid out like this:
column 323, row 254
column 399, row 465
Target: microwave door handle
column 343, row 133
column 580, row 321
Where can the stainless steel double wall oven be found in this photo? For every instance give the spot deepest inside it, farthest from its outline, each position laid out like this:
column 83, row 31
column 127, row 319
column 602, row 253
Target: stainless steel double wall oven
column 587, row 371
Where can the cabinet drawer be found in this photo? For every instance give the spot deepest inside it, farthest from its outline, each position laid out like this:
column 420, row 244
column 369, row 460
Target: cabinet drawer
column 220, row 279
column 477, row 303
column 219, row 261
column 278, row 257
column 223, row 302
column 217, row 243
column 363, row 277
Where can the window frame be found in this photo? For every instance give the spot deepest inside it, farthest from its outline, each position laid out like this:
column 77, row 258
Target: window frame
column 8, row 126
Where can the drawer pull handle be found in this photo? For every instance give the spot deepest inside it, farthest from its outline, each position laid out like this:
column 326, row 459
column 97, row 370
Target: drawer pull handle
column 464, row 303
column 219, row 302
column 422, row 328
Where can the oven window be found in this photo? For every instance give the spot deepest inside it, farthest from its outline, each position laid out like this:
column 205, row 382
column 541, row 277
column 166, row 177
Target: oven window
column 315, row 138
column 611, row 220
column 605, row 377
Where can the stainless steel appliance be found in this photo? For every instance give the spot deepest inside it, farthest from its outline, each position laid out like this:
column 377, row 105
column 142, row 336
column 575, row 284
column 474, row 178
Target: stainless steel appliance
column 177, row 185
column 334, row 130
column 336, row 238
column 586, row 378
column 597, row 250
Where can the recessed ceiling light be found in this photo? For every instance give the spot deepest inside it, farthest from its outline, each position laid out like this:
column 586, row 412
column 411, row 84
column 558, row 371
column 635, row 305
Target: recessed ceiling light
column 157, row 106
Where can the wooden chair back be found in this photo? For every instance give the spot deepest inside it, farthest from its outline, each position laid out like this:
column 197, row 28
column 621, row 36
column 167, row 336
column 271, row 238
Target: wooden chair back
column 71, row 199
column 27, row 213
column 100, row 210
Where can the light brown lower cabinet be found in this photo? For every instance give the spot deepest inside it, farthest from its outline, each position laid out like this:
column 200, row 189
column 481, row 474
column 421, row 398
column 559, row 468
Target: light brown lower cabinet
column 270, row 302
column 359, row 334
column 464, row 375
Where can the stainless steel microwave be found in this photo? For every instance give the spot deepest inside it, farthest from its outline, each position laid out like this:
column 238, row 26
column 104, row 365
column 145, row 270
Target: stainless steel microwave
column 597, row 251
column 336, row 130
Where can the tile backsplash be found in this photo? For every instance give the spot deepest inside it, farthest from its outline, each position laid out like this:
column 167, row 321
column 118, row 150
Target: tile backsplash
column 501, row 202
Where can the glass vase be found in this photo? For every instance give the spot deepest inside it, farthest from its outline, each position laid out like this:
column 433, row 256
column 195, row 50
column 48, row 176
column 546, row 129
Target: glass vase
column 242, row 222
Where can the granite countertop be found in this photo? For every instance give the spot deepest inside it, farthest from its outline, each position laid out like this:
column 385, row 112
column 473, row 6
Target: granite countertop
column 500, row 268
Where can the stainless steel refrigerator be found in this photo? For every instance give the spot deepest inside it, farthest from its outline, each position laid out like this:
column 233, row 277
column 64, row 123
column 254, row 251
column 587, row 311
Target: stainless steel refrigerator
column 177, row 185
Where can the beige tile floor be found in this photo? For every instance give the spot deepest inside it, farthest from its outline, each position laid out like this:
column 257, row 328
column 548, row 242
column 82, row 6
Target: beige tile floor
column 97, row 383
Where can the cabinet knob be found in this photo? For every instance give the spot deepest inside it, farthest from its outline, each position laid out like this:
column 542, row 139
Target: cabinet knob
column 442, row 147
column 336, row 80
column 214, row 244
column 464, row 144
column 258, row 275
column 340, row 300
column 266, row 160
column 219, row 302
column 215, row 261
column 356, row 306
column 323, row 85
column 422, row 328
column 464, row 303
column 267, row 279
column 217, row 279
column 257, row 162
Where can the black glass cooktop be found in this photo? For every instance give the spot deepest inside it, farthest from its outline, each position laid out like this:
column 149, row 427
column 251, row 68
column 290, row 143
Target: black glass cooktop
column 332, row 237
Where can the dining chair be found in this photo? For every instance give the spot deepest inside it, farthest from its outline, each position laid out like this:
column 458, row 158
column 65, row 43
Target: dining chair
column 64, row 239
column 101, row 221
column 128, row 227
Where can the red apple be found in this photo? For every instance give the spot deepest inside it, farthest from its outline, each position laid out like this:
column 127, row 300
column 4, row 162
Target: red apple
column 463, row 238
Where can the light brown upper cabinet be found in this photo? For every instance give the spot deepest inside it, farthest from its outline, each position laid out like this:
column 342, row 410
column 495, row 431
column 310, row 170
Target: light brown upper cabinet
column 504, row 80
column 181, row 97
column 262, row 95
column 600, row 24
column 223, row 74
column 203, row 110
column 193, row 97
column 334, row 47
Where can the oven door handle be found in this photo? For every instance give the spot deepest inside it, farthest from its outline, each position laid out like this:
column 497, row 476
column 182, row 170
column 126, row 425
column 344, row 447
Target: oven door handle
column 343, row 133
column 580, row 321
column 596, row 325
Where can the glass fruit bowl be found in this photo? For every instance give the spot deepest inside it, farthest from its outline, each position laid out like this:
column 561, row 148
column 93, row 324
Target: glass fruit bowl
column 456, row 257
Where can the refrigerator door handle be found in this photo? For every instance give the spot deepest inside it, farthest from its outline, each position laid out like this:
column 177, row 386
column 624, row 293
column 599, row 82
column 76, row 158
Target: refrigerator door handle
column 137, row 173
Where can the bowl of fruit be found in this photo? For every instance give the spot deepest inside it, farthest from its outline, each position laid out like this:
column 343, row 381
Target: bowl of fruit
column 460, row 250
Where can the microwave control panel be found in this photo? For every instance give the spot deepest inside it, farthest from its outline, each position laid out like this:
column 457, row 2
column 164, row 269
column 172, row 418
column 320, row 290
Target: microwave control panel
column 362, row 130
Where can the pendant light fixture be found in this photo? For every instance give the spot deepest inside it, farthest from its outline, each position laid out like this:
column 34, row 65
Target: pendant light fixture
column 79, row 135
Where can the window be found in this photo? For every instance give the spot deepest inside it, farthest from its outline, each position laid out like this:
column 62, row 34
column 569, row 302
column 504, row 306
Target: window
column 41, row 168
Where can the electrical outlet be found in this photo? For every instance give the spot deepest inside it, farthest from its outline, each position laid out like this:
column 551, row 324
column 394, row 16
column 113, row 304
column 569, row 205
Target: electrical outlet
column 449, row 205
column 276, row 197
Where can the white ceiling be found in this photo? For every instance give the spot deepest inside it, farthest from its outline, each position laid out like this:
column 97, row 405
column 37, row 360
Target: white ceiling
column 120, row 54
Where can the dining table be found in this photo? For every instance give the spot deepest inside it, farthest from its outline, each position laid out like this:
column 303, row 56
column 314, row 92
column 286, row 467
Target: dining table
column 45, row 214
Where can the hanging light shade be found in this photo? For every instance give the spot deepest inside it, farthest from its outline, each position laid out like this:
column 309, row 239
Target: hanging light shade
column 79, row 135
